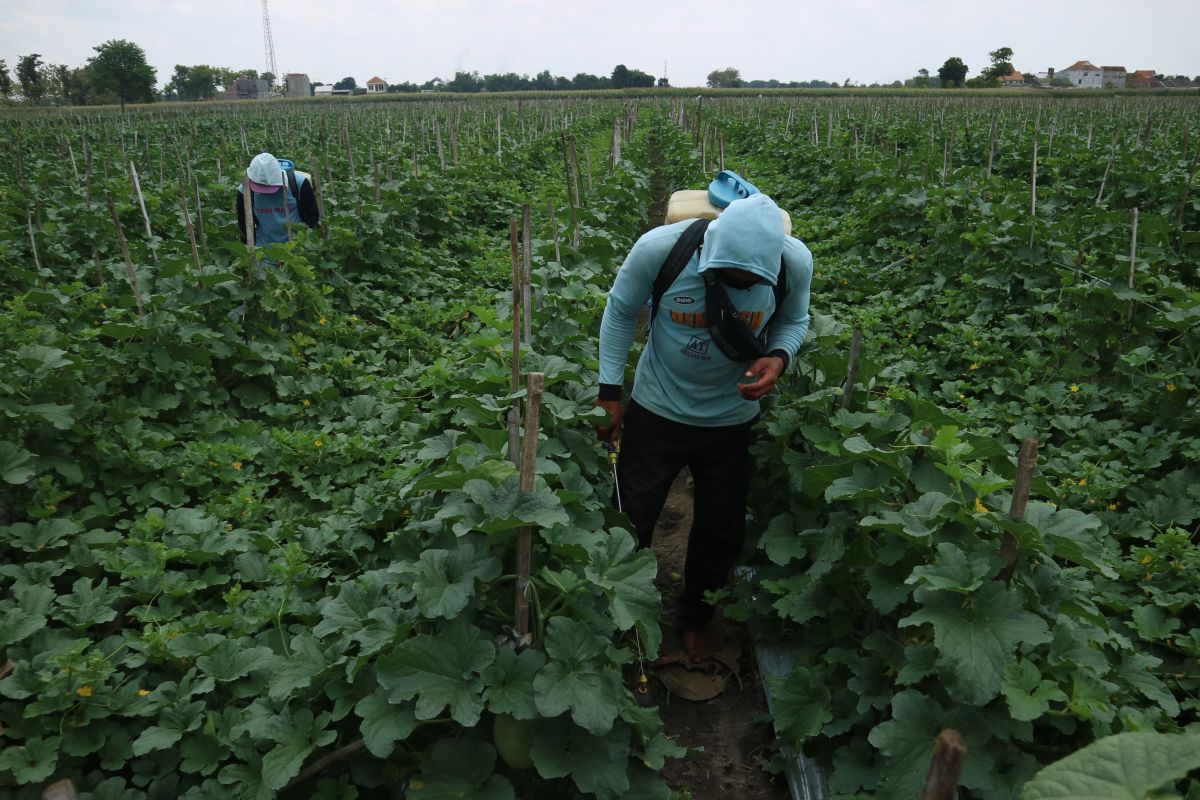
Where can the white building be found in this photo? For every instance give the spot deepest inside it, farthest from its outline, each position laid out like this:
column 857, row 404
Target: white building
column 1113, row 77
column 1083, row 75
column 376, row 85
column 323, row 91
column 298, row 85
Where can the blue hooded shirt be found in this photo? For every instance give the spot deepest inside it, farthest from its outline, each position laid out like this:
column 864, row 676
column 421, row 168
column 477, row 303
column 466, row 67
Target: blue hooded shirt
column 681, row 374
column 271, row 211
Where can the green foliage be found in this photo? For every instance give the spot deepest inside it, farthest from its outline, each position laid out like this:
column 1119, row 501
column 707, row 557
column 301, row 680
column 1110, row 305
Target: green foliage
column 119, row 66
column 952, row 72
column 1127, row 766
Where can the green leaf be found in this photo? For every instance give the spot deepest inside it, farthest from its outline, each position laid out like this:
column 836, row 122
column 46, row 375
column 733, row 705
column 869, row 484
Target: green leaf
column 578, row 679
column 976, row 635
column 232, row 659
column 459, row 769
column 440, row 671
column 15, row 463
column 1028, row 696
column 154, row 738
column 296, row 735
column 597, row 764
column 307, row 661
column 509, row 682
column 801, row 706
column 33, row 761
column 1127, row 766
column 383, row 723
column 954, row 571
column 1071, row 536
column 445, row 580
column 625, row 573
column 907, row 741
column 781, row 541
column 57, row 415
column 283, row 763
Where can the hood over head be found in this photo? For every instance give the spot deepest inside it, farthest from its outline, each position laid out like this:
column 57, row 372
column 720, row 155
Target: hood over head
column 748, row 235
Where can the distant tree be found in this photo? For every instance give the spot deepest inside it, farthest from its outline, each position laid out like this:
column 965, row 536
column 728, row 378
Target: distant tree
column 120, row 67
column 728, row 78
column 587, row 81
column 269, row 77
column 544, row 81
column 28, row 76
column 620, row 77
column 403, row 88
column 1029, row 77
column 197, row 82
column 663, row 82
column 640, row 80
column 433, row 85
column 921, row 81
column 465, row 82
column 507, row 82
column 953, row 72
column 563, row 83
column 1001, row 64
column 6, row 84
column 346, row 83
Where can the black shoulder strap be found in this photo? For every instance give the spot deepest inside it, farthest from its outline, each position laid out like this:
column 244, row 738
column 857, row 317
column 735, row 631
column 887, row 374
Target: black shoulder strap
column 781, row 287
column 677, row 259
column 291, row 176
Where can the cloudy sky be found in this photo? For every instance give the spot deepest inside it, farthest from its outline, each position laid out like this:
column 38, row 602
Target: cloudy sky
column 415, row 40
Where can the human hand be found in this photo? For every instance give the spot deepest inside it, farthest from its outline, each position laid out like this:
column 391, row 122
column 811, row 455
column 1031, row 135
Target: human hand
column 612, row 431
column 766, row 372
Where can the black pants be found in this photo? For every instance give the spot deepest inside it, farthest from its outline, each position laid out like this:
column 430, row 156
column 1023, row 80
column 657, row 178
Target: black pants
column 653, row 451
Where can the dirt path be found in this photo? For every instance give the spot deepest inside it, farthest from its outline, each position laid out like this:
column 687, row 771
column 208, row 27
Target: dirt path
column 733, row 745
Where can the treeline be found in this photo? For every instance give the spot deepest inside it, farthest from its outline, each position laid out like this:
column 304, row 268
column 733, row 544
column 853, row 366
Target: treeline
column 622, row 77
column 117, row 73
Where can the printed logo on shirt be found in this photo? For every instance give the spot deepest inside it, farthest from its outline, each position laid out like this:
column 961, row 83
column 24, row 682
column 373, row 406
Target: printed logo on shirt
column 697, row 348
column 698, row 319
column 684, row 300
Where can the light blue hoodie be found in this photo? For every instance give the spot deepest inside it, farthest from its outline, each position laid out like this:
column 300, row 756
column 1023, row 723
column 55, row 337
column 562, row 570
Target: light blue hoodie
column 272, row 211
column 681, row 374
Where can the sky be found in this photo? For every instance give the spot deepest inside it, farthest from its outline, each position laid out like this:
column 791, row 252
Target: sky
column 865, row 41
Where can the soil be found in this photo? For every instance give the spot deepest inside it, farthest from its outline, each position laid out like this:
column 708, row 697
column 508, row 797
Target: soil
column 726, row 742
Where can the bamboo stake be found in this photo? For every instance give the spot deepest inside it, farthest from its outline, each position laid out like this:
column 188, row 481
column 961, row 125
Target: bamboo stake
column 554, row 229
column 991, row 148
column 1026, row 464
column 132, row 273
column 1132, row 269
column 1112, row 155
column 514, row 413
column 187, row 220
column 852, row 367
column 526, row 273
column 946, row 766
column 533, row 414
column 137, row 186
column 37, row 262
column 1033, row 191
column 199, row 214
column 99, row 272
column 437, row 133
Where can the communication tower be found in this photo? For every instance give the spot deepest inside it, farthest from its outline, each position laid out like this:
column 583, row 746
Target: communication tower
column 269, row 42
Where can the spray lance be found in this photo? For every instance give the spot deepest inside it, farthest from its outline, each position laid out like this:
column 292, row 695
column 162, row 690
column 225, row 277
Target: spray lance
column 613, row 447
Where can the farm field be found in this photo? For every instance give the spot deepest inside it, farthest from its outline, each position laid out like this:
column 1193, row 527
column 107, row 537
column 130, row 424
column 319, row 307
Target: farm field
column 258, row 523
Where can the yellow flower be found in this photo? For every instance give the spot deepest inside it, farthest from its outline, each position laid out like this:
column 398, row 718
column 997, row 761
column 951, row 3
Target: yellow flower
column 319, row 443
column 1147, row 559
column 1091, row 502
column 143, row 692
column 51, row 507
column 1112, row 506
column 1074, row 388
column 306, row 402
column 974, row 343
column 1170, row 387
column 962, row 396
column 974, row 365
column 321, row 321
column 980, row 508
column 105, row 307
column 84, row 691
column 237, row 465
column 1082, row 482
column 354, row 318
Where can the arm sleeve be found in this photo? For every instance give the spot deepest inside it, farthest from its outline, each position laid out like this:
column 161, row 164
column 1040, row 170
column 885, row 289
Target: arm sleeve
column 630, row 291
column 789, row 326
column 310, row 215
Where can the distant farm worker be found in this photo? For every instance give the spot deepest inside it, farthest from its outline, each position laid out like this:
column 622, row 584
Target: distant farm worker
column 279, row 192
column 721, row 334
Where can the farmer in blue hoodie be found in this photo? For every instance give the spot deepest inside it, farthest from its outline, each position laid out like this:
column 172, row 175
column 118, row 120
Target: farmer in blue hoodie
column 280, row 193
column 698, row 382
